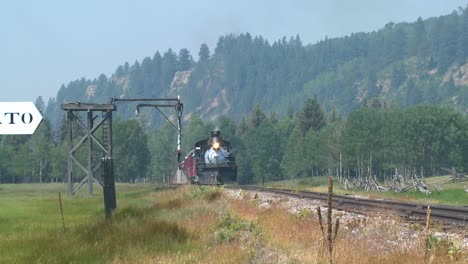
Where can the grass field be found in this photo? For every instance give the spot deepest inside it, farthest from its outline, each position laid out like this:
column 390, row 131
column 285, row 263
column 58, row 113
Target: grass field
column 149, row 226
column 188, row 225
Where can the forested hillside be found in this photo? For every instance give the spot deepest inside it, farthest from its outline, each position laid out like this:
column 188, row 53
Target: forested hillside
column 403, row 64
column 373, row 141
column 367, row 104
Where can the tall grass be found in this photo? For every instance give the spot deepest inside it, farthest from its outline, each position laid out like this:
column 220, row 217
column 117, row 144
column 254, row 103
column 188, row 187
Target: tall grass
column 31, row 228
column 187, row 225
column 297, row 239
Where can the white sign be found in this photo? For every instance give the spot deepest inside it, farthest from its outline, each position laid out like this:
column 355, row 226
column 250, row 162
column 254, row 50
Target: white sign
column 19, row 118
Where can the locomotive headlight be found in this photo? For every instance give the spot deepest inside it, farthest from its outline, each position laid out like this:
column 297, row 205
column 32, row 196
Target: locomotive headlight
column 216, row 145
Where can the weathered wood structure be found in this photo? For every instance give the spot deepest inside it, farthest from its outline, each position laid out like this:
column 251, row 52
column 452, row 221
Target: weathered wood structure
column 93, row 123
column 103, row 120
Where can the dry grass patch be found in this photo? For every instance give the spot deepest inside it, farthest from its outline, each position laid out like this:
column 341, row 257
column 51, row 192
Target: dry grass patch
column 171, row 204
column 213, row 195
column 218, row 254
column 286, row 231
column 296, row 238
column 244, row 209
column 228, row 253
column 284, row 237
column 200, row 225
column 358, row 252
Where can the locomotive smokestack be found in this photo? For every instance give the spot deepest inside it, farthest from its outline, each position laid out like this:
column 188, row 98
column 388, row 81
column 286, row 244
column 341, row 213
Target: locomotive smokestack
column 215, row 137
column 215, row 133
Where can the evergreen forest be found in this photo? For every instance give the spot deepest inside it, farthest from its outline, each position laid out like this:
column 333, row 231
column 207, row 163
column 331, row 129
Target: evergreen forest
column 364, row 104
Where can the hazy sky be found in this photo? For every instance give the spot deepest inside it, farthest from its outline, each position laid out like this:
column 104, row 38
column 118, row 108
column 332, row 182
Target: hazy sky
column 47, row 43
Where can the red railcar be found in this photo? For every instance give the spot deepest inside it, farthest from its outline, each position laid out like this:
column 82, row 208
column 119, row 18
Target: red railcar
column 188, row 166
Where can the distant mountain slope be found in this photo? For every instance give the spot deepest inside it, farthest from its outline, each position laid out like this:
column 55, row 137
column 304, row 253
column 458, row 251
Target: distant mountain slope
column 401, row 64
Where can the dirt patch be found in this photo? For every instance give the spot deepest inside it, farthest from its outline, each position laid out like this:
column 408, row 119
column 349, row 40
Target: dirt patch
column 459, row 75
column 180, row 80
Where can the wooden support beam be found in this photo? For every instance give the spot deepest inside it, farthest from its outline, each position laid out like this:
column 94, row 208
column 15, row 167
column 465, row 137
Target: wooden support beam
column 88, row 107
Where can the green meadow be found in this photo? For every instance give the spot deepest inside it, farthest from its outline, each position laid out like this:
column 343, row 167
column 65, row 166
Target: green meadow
column 32, row 231
column 190, row 224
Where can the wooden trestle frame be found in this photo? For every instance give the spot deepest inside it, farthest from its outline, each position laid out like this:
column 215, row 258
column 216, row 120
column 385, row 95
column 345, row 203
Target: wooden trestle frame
column 90, row 140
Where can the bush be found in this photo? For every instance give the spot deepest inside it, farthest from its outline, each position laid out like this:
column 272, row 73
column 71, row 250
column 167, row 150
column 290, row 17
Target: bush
column 228, row 227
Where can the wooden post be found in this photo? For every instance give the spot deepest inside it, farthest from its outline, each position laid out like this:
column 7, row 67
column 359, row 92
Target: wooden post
column 319, row 215
column 70, row 147
column 90, row 154
column 428, row 223
column 329, row 221
column 341, row 169
column 109, row 187
column 112, row 179
column 61, row 211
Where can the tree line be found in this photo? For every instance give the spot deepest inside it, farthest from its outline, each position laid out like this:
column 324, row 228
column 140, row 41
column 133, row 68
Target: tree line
column 402, row 63
column 374, row 140
column 379, row 81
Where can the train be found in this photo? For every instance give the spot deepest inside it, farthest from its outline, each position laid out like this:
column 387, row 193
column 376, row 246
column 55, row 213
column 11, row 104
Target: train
column 210, row 162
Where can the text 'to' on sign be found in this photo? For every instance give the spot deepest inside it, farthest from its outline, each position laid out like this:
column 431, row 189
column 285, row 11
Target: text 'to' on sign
column 19, row 118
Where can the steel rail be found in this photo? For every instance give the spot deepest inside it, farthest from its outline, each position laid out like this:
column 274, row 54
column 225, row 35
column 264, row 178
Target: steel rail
column 457, row 215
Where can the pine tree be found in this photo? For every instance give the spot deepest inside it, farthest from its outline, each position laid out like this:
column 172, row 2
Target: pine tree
column 204, row 53
column 119, row 72
column 311, row 116
column 421, row 38
column 126, row 68
column 334, row 116
column 168, row 68
column 136, row 80
column 257, row 117
column 40, row 105
column 185, row 60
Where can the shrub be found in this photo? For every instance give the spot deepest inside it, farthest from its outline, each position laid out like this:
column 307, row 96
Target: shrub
column 229, row 227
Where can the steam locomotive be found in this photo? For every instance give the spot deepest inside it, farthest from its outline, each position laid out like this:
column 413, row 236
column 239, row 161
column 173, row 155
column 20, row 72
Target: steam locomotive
column 211, row 162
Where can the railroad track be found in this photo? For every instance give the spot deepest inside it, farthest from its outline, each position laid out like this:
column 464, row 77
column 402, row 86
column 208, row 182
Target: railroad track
column 454, row 215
